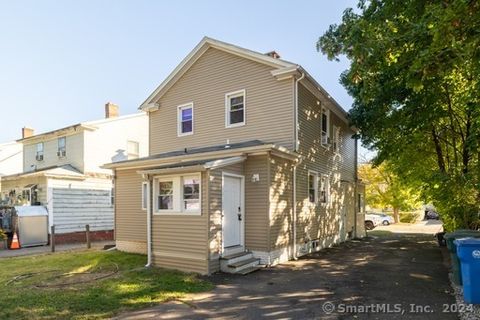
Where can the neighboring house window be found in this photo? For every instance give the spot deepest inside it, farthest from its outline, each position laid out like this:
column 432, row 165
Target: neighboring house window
column 191, row 193
column 325, row 125
column 312, row 186
column 144, row 195
column 185, row 120
column 235, row 109
column 324, row 189
column 336, row 139
column 179, row 194
column 133, row 149
column 165, row 195
column 62, row 147
column 39, row 155
column 112, row 194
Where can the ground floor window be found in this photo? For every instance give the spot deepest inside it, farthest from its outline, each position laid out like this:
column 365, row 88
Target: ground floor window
column 312, row 186
column 178, row 194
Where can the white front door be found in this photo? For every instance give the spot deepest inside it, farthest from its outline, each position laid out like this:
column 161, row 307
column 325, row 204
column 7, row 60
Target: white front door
column 232, row 211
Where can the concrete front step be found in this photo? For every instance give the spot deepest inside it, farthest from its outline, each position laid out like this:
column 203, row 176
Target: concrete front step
column 241, row 263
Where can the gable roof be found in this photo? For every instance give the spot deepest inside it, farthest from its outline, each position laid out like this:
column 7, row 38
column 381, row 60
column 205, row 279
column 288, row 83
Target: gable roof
column 283, row 69
column 197, row 52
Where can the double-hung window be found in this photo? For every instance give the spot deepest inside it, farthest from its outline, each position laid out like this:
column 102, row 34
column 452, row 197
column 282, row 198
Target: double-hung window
column 324, row 189
column 185, row 120
column 178, row 194
column 235, row 109
column 39, row 154
column 165, row 195
column 191, row 194
column 312, row 186
column 336, row 139
column 325, row 127
column 62, row 147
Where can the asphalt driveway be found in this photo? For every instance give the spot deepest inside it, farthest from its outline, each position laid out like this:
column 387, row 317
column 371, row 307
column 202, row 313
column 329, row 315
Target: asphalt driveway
column 390, row 277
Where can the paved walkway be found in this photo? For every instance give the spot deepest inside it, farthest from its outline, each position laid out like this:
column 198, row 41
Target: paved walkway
column 47, row 249
column 399, row 276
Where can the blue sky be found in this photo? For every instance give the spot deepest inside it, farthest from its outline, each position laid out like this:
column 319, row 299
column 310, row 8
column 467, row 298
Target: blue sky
column 60, row 61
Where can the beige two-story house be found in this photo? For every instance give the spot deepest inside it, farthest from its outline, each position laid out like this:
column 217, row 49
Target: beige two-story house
column 251, row 162
column 62, row 172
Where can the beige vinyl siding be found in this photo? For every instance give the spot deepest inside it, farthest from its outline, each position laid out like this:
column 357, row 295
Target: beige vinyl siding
column 256, row 203
column 281, row 194
column 214, row 74
column 74, row 147
column 317, row 221
column 179, row 241
column 130, row 219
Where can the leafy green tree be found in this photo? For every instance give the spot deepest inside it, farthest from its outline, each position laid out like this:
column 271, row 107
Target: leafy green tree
column 415, row 79
column 384, row 189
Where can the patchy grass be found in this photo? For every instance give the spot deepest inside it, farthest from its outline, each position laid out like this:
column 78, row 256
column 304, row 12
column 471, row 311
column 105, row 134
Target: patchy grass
column 87, row 285
column 379, row 233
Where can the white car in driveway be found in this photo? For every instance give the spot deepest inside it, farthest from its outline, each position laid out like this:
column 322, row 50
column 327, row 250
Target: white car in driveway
column 372, row 221
column 385, row 219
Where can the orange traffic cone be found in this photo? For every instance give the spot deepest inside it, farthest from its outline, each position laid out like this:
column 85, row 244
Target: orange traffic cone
column 15, row 244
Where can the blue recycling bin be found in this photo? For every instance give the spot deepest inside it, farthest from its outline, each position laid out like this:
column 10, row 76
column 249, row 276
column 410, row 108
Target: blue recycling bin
column 468, row 251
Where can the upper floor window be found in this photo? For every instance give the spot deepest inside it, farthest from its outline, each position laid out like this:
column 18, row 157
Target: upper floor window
column 133, row 150
column 312, row 186
column 185, row 120
column 325, row 125
column 39, row 154
column 336, row 139
column 62, row 147
column 235, row 109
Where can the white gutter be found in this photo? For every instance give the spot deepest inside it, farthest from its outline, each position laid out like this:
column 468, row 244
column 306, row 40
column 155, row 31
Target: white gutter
column 149, row 221
column 295, row 168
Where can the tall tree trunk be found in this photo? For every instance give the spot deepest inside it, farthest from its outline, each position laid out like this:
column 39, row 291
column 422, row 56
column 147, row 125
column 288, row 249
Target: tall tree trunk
column 396, row 214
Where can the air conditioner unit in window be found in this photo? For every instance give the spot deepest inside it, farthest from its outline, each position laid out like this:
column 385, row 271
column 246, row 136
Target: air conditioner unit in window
column 62, row 153
column 326, row 141
column 39, row 157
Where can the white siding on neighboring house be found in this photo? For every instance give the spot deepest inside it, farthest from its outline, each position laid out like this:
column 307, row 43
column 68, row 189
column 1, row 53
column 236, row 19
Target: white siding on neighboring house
column 109, row 142
column 73, row 204
column 11, row 158
column 74, row 152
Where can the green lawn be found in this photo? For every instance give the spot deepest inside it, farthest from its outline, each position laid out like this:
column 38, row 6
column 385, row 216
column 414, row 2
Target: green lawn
column 86, row 285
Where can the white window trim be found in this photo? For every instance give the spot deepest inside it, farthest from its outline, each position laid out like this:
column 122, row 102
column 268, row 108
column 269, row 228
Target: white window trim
column 144, row 195
column 227, row 108
column 177, row 195
column 315, row 186
column 179, row 119
column 327, row 112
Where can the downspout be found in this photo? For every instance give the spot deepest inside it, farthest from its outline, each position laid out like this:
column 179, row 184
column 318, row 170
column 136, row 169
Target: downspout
column 149, row 221
column 355, row 179
column 295, row 143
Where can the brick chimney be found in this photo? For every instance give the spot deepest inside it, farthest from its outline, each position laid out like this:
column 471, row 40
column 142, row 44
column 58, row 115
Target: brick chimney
column 27, row 132
column 273, row 54
column 111, row 110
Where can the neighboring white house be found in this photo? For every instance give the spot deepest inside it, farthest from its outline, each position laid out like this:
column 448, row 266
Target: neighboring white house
column 61, row 170
column 11, row 158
